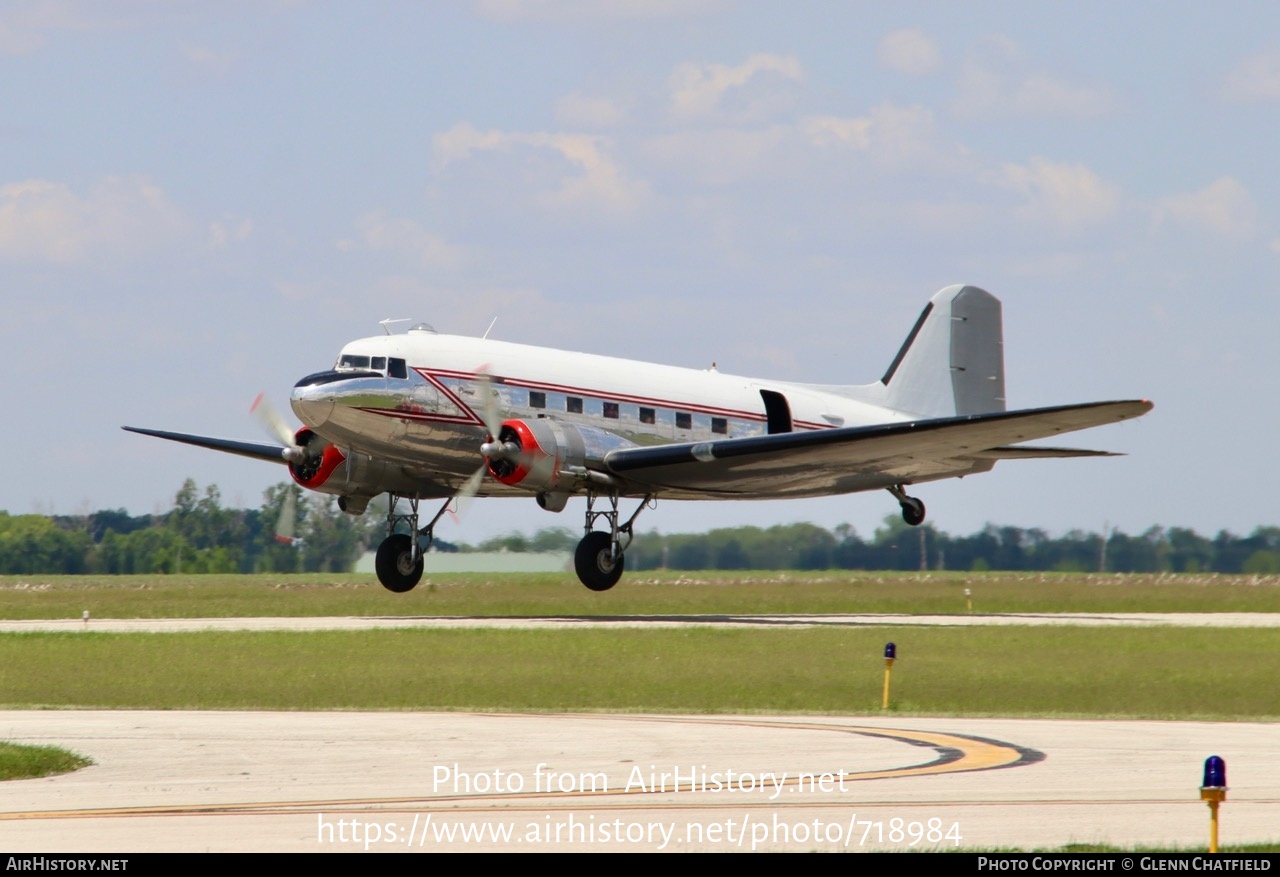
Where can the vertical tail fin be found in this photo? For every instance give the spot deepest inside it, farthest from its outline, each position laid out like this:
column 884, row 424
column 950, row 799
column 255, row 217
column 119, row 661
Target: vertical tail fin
column 953, row 361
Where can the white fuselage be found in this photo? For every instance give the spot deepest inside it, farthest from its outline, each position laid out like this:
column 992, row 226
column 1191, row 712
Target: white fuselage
column 417, row 399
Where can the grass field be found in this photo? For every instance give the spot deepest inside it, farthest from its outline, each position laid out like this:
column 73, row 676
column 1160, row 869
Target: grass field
column 646, row 593
column 1154, row 673
column 1161, row 673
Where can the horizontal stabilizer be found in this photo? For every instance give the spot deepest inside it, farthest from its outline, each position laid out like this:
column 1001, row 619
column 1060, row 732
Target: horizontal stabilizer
column 1031, row 452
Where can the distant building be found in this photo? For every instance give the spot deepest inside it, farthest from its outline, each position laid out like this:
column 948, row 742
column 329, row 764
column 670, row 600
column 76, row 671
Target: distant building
column 486, row 561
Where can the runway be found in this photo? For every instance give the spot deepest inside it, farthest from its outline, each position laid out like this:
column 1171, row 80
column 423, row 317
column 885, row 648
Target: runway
column 548, row 622
column 278, row 782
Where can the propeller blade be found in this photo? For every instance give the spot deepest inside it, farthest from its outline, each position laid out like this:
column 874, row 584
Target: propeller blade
column 277, row 426
column 489, row 402
column 466, row 493
column 287, row 525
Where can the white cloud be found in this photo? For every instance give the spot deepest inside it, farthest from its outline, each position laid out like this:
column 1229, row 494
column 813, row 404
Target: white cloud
column 210, row 60
column 406, row 239
column 24, row 27
column 579, row 111
column 1070, row 196
column 909, row 51
column 893, row 136
column 224, row 232
column 833, row 130
column 698, row 89
column 46, row 221
column 1223, row 207
column 599, row 182
column 985, row 92
column 589, row 10
column 719, row 156
column 1256, row 78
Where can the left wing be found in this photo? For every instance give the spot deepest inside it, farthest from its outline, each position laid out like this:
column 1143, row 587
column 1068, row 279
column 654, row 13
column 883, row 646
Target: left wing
column 857, row 458
column 256, row 450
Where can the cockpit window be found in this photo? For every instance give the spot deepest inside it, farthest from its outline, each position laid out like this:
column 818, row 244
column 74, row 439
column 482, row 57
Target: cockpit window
column 392, row 367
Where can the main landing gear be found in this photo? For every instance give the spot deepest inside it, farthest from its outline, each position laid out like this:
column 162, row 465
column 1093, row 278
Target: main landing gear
column 912, row 508
column 399, row 558
column 599, row 559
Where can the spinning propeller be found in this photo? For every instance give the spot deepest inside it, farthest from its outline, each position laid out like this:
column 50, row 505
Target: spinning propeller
column 276, row 427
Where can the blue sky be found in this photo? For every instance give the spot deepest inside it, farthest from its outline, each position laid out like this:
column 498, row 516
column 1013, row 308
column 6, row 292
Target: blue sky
column 201, row 201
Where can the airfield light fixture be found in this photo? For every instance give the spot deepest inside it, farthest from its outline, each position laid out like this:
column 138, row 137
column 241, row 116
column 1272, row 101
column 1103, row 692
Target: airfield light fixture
column 890, row 654
column 1213, row 791
column 968, row 600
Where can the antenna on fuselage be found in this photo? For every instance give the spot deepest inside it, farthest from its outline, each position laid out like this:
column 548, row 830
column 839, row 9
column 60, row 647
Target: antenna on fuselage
column 386, row 324
column 490, row 329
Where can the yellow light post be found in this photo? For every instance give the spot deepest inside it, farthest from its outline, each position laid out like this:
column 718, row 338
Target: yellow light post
column 890, row 652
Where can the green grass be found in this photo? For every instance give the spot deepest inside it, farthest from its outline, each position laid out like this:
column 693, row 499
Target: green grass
column 19, row 762
column 1154, row 673
column 643, row 593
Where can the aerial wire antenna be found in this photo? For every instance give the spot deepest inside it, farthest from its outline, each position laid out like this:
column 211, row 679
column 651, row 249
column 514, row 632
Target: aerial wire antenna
column 490, row 329
column 386, row 324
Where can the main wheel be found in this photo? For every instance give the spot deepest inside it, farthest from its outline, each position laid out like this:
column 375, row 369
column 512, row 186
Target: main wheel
column 913, row 512
column 595, row 564
column 395, row 564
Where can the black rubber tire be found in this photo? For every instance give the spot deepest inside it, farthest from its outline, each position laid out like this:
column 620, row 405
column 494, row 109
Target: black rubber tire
column 592, row 561
column 913, row 512
column 394, row 567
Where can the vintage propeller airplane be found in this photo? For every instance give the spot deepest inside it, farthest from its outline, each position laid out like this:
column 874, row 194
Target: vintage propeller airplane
column 421, row 415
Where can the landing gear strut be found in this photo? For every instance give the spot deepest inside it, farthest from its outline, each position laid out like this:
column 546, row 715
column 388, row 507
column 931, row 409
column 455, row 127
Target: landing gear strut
column 912, row 508
column 399, row 558
column 599, row 559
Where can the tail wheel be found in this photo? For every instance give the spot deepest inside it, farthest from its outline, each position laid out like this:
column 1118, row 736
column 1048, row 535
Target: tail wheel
column 597, row 566
column 397, row 568
column 913, row 511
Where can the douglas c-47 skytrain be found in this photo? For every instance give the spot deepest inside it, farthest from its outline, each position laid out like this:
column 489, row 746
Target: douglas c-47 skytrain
column 421, row 416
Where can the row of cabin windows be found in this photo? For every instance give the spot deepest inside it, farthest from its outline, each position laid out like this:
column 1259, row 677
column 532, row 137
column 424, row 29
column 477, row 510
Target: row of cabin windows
column 612, row 411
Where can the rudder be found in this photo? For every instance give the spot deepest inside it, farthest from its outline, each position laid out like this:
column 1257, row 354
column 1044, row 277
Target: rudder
column 952, row 363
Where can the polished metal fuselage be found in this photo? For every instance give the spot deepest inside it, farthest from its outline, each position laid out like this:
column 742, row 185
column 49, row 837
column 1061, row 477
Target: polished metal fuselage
column 429, row 425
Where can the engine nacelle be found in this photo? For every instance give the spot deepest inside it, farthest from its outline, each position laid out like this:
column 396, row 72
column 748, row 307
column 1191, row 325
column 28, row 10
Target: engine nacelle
column 314, row 470
column 351, row 476
column 551, row 456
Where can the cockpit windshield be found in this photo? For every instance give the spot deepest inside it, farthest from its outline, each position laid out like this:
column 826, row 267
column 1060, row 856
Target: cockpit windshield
column 390, row 366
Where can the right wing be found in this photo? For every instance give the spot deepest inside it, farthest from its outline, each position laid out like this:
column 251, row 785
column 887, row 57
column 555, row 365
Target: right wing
column 848, row 459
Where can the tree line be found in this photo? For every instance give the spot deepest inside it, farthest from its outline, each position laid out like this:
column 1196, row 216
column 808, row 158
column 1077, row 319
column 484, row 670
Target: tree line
column 199, row 535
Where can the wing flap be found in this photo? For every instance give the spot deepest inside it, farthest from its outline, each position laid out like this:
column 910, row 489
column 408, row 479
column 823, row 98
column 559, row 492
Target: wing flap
column 857, row 458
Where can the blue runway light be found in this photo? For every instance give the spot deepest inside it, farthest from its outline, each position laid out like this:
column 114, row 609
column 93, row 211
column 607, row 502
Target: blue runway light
column 1215, row 773
column 891, row 652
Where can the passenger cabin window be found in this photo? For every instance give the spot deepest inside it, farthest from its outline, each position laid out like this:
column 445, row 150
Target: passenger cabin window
column 684, row 420
column 611, row 410
column 646, row 415
column 573, row 404
column 537, row 399
column 720, row 425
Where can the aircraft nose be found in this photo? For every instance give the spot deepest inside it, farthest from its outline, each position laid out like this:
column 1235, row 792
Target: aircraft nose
column 312, row 403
